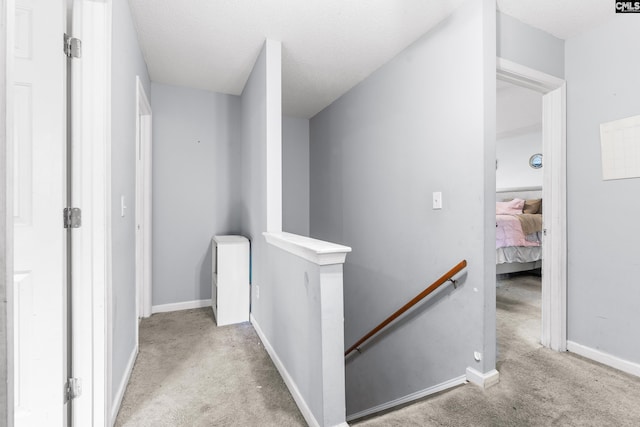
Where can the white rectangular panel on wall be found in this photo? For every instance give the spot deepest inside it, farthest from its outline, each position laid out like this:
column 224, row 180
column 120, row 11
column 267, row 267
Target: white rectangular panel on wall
column 620, row 143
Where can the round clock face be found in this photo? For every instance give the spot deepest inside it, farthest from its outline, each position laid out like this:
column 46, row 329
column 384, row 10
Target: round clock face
column 535, row 161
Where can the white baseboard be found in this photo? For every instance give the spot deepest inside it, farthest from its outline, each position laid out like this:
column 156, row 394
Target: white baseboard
column 117, row 401
column 185, row 305
column 409, row 398
column 291, row 385
column 604, row 358
column 483, row 380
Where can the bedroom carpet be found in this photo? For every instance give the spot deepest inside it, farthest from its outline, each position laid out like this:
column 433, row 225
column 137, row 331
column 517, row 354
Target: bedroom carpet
column 191, row 373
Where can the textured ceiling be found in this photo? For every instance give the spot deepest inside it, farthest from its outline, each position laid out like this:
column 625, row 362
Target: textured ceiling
column 561, row 18
column 328, row 46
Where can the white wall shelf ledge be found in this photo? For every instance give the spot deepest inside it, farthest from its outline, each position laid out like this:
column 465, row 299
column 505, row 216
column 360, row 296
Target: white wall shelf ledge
column 313, row 250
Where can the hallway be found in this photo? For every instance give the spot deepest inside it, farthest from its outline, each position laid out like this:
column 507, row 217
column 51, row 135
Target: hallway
column 191, row 373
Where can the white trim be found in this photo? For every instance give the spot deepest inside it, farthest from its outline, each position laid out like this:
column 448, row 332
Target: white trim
column 410, row 397
column 523, row 76
column 143, row 201
column 554, row 191
column 554, row 219
column 91, row 191
column 108, row 246
column 177, row 306
column 291, row 385
column 7, row 32
column 483, row 380
column 117, row 400
column 604, row 358
column 317, row 251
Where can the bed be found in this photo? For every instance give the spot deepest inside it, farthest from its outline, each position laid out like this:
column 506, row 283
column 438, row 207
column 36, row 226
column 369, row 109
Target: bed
column 518, row 230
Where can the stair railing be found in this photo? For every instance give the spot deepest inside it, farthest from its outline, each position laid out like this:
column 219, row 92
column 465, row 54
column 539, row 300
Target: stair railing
column 447, row 277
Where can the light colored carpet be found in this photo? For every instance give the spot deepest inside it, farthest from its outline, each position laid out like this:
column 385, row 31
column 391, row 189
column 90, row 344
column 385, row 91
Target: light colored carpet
column 538, row 387
column 191, row 373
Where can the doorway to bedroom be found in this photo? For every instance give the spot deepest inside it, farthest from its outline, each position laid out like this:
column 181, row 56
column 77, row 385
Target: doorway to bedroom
column 553, row 330
column 519, row 187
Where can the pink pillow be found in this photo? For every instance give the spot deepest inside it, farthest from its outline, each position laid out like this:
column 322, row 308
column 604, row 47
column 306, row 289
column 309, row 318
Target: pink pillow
column 510, row 208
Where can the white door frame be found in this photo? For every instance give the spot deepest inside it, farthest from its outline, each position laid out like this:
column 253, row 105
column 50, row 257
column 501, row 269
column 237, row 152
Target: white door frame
column 93, row 362
column 92, row 193
column 6, row 206
column 143, row 201
column 554, row 216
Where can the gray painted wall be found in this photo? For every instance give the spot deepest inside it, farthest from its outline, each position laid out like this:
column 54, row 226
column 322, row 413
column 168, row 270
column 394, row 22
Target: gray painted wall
column 196, row 186
column 127, row 62
column 525, row 45
column 295, row 175
column 253, row 205
column 296, row 291
column 602, row 85
column 424, row 122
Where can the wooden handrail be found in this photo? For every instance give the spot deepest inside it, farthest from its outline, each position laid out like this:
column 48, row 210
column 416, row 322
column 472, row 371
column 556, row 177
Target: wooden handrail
column 435, row 285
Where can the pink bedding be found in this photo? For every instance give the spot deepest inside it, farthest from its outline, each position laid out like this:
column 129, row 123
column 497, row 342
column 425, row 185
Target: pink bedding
column 509, row 232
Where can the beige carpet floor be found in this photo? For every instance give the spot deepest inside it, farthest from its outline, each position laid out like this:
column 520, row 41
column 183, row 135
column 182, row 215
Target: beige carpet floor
column 191, row 373
column 538, row 387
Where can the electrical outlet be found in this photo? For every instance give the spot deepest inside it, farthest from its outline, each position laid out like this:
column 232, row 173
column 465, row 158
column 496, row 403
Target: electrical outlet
column 257, row 292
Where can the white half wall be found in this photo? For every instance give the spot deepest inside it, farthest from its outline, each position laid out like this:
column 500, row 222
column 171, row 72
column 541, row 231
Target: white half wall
column 304, row 333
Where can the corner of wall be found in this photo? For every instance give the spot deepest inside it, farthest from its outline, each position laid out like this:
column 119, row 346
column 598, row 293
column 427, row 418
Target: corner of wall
column 483, row 380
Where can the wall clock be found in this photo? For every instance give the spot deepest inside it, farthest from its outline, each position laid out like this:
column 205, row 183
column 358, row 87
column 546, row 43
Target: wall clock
column 535, row 161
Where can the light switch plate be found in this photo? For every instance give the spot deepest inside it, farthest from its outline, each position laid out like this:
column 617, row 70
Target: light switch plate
column 437, row 200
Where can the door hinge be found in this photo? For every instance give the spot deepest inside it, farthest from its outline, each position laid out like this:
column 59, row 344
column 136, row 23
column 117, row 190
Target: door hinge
column 72, row 217
column 72, row 47
column 73, row 388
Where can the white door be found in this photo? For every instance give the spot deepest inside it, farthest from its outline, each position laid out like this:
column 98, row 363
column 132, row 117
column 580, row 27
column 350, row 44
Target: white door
column 143, row 200
column 37, row 92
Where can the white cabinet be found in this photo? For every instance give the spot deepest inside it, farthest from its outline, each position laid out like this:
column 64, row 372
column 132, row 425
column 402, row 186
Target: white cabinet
column 230, row 279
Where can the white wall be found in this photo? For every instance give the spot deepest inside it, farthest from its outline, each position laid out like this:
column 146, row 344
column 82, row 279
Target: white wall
column 196, row 187
column 513, row 156
column 5, row 231
column 525, row 45
column 603, row 228
column 295, row 175
column 422, row 123
column 518, row 110
column 127, row 62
